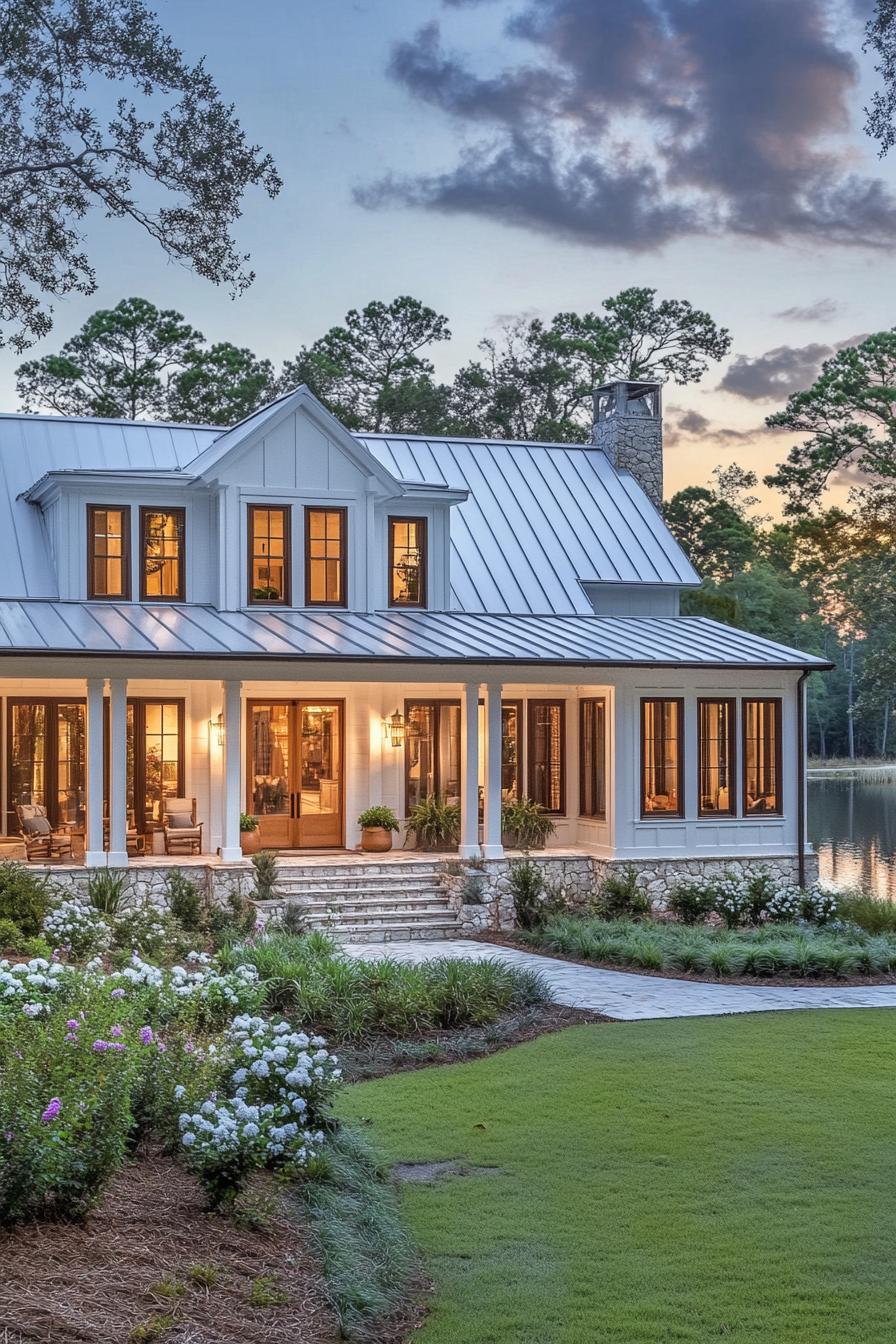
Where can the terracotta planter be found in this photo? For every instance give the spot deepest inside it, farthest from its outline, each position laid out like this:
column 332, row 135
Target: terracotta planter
column 249, row 841
column 376, row 839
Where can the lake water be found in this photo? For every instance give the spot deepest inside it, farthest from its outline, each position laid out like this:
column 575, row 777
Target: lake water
column 852, row 826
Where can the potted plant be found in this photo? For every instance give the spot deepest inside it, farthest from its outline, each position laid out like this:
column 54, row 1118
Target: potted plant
column 525, row 824
column 377, row 824
column 434, row 823
column 249, row 839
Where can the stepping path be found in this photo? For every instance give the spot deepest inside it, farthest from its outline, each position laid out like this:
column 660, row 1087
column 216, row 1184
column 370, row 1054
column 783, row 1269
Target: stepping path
column 625, row 995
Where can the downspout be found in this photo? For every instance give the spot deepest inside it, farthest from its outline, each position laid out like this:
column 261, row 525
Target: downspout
column 801, row 777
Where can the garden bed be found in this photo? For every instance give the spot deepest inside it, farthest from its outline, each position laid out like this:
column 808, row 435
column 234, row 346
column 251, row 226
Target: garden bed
column 770, row 955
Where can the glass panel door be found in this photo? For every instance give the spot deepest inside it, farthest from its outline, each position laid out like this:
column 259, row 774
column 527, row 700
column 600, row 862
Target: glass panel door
column 319, row 801
column 46, row 760
column 70, row 778
column 270, row 788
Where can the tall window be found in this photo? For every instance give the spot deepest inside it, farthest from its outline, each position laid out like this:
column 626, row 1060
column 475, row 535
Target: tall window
column 511, row 750
column 431, row 751
column 407, row 562
column 268, row 555
column 325, row 557
column 715, row 753
column 155, row 758
column 108, row 552
column 593, row 758
column 46, row 759
column 162, row 568
column 547, row 756
column 762, row 755
column 662, row 778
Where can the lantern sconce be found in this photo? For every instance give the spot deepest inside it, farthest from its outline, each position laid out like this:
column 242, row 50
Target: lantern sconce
column 394, row 729
column 217, row 726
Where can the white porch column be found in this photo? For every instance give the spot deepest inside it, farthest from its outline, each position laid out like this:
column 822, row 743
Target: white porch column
column 230, row 839
column 492, row 848
column 94, row 854
column 118, row 769
column 469, row 772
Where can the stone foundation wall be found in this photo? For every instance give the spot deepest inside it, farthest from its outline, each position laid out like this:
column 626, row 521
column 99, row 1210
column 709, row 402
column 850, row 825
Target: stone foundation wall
column 577, row 882
column 215, row 882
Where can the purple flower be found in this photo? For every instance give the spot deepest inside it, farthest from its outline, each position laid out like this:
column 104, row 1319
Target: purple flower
column 52, row 1111
column 117, row 1045
column 146, row 1035
column 100, row 1046
column 116, row 1031
column 189, row 1047
column 73, row 1024
column 162, row 1047
column 117, row 994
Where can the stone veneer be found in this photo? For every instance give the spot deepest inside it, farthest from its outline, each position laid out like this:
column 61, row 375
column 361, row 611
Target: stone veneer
column 147, row 883
column 578, row 880
column 635, row 443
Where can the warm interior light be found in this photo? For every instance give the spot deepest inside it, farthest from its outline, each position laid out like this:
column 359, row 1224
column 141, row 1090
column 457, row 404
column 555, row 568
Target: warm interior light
column 217, row 726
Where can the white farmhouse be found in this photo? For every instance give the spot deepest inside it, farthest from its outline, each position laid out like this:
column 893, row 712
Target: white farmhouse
column 292, row 621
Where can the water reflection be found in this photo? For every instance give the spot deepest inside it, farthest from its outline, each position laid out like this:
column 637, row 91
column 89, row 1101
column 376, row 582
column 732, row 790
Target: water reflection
column 852, row 825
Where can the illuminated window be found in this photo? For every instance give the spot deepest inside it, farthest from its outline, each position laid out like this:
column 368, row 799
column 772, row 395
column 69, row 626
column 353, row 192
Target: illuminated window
column 268, row 555
column 547, row 758
column 325, row 558
column 762, row 756
column 407, row 562
column 46, row 759
column 662, row 790
column 431, row 751
column 593, row 758
column 108, row 552
column 162, row 573
column 715, row 758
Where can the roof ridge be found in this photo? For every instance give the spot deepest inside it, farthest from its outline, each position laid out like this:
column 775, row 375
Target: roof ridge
column 107, row 420
column 467, row 438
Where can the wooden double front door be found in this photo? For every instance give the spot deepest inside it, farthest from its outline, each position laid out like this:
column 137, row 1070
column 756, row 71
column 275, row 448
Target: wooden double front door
column 295, row 763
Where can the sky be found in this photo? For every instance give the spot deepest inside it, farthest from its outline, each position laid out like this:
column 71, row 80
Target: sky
column 504, row 157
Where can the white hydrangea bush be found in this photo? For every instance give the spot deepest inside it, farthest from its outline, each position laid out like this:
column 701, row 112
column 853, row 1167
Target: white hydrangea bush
column 76, row 929
column 732, row 899
column 30, row 987
column 279, row 1084
column 200, row 991
column 821, row 903
column 786, row 905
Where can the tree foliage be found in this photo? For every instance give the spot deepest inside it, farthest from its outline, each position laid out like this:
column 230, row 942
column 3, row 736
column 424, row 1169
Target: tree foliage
column 881, row 39
column 849, row 414
column 99, row 110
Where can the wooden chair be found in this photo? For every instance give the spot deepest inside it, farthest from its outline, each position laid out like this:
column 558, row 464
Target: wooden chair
column 41, row 840
column 182, row 833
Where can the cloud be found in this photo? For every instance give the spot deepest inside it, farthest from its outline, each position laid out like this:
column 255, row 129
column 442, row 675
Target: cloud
column 633, row 124
column 685, row 426
column 822, row 310
column 776, row 374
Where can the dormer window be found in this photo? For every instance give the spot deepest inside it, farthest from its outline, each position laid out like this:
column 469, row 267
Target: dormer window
column 407, row 562
column 108, row 552
column 268, row 555
column 162, row 554
column 325, row 557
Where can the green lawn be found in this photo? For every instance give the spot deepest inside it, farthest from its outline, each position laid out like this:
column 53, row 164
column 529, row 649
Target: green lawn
column 685, row 1180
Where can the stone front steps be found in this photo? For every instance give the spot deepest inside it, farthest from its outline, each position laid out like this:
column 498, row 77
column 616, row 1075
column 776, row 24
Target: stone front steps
column 370, row 903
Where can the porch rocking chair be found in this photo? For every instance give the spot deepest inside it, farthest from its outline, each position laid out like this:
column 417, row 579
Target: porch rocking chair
column 41, row 840
column 182, row 833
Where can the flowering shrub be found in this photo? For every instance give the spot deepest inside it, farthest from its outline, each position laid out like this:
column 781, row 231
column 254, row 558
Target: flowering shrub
column 276, row 1095
column 77, row 928
column 144, row 929
column 821, row 903
column 786, row 905
column 732, row 899
column 200, row 994
column 30, row 987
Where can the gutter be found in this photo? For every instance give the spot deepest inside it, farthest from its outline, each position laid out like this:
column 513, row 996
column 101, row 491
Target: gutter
column 801, row 767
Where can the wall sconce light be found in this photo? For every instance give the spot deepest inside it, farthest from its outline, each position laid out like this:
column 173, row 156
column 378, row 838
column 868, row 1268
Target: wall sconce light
column 217, row 726
column 394, row 729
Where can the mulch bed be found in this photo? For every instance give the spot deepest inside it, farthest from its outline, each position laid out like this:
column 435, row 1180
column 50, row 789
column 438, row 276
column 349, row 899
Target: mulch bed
column 753, row 981
column 380, row 1056
column 95, row 1283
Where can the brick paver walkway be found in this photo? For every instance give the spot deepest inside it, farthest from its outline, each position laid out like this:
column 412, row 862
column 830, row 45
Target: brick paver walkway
column 625, row 995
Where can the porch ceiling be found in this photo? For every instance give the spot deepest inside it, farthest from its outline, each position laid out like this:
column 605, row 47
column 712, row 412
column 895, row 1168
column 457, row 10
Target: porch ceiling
column 188, row 631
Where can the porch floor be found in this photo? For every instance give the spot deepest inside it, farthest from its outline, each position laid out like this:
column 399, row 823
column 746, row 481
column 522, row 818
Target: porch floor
column 294, row 858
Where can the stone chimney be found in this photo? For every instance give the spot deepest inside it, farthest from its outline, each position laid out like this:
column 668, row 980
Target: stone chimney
column 628, row 427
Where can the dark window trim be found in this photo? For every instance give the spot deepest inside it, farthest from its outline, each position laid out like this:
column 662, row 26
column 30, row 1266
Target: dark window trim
column 422, row 523
column 51, row 760
column 520, row 742
column 342, row 510
column 530, row 752
column 731, row 702
column 180, row 595
column 286, row 599
column 583, row 703
column 677, row 700
column 777, row 701
column 438, row 705
column 125, row 595
column 138, row 703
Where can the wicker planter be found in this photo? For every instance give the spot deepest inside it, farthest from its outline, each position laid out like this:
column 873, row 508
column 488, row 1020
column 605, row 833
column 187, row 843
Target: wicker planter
column 375, row 839
column 249, row 841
